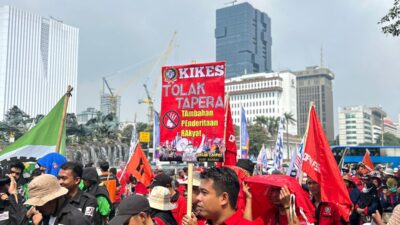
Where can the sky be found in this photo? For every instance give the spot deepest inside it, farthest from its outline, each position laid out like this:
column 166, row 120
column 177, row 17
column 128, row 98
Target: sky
column 122, row 40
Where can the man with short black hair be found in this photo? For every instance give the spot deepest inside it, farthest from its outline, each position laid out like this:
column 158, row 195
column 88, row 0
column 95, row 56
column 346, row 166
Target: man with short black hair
column 219, row 189
column 69, row 177
column 16, row 170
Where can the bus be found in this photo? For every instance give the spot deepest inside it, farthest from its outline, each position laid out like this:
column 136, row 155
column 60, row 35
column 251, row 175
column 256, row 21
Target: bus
column 388, row 155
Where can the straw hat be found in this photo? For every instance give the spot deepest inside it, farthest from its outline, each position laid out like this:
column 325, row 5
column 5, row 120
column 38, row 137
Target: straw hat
column 348, row 178
column 160, row 199
column 388, row 171
column 43, row 189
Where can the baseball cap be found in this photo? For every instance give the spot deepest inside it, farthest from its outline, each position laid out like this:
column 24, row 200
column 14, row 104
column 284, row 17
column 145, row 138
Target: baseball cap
column 129, row 207
column 162, row 180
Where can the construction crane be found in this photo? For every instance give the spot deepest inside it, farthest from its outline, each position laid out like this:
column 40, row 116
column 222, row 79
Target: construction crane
column 149, row 101
column 109, row 102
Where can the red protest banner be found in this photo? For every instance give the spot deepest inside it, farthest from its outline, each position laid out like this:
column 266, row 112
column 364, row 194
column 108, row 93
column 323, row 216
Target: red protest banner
column 192, row 112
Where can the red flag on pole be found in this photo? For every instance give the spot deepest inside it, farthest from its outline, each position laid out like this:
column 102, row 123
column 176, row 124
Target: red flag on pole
column 230, row 140
column 139, row 166
column 320, row 165
column 367, row 161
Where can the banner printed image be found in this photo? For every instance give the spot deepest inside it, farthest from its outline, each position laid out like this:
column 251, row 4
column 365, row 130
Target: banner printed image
column 192, row 112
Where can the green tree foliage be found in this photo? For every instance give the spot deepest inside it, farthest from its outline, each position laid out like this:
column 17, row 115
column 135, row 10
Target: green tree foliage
column 391, row 21
column 258, row 136
column 388, row 140
column 16, row 122
column 289, row 120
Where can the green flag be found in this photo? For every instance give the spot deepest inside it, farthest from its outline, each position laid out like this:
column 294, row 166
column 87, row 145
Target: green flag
column 41, row 139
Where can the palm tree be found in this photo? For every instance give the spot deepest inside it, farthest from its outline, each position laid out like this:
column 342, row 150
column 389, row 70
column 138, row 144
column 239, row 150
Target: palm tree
column 289, row 119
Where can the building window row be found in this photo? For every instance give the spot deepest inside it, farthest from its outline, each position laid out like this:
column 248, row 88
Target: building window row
column 253, row 96
column 249, row 86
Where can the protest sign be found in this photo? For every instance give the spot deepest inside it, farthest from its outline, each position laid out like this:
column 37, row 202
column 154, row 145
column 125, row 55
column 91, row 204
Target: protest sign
column 192, row 112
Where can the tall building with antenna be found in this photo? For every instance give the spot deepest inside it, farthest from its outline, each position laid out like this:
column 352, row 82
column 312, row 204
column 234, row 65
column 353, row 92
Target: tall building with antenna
column 243, row 39
column 314, row 84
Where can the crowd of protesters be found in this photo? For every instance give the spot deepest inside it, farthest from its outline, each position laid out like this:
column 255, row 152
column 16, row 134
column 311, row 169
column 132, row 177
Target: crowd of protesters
column 75, row 194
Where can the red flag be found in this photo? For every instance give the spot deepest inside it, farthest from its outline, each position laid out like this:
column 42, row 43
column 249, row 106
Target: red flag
column 139, row 166
column 230, row 139
column 320, row 165
column 367, row 161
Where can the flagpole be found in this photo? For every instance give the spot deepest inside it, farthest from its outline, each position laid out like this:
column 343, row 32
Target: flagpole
column 241, row 144
column 305, row 142
column 225, row 124
column 127, row 163
column 60, row 132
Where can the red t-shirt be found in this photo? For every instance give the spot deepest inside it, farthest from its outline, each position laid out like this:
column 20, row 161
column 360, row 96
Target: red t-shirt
column 271, row 216
column 328, row 214
column 180, row 211
column 237, row 219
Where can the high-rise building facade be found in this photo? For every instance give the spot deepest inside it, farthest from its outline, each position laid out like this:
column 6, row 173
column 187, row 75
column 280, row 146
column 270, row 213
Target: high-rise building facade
column 360, row 125
column 38, row 60
column 243, row 39
column 263, row 94
column 314, row 84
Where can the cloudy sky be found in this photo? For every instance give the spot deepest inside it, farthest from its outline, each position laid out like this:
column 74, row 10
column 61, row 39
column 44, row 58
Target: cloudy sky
column 124, row 38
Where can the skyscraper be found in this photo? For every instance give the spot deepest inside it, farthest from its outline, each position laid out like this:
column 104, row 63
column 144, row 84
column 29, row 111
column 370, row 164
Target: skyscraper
column 314, row 84
column 243, row 40
column 38, row 60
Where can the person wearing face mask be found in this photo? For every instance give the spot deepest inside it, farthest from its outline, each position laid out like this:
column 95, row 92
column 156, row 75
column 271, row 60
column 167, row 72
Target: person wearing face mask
column 390, row 197
column 368, row 202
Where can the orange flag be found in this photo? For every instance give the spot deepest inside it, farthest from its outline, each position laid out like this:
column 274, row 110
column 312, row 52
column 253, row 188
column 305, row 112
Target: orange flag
column 320, row 165
column 139, row 166
column 367, row 161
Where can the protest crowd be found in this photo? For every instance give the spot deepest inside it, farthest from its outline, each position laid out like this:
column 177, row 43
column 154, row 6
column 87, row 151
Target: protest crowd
column 228, row 190
column 74, row 194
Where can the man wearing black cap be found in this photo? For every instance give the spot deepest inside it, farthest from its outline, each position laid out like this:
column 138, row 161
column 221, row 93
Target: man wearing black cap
column 93, row 186
column 164, row 180
column 134, row 210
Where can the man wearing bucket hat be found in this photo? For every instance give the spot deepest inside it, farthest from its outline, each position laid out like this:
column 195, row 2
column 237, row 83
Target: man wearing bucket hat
column 49, row 199
column 160, row 203
column 134, row 210
column 179, row 211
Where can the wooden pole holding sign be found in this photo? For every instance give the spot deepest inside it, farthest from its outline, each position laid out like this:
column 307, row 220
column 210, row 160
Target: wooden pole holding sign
column 189, row 190
column 60, row 132
column 190, row 184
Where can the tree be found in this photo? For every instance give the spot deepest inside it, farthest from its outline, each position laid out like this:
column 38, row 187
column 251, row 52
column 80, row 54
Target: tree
column 258, row 136
column 391, row 21
column 16, row 122
column 289, row 120
column 270, row 122
column 388, row 140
